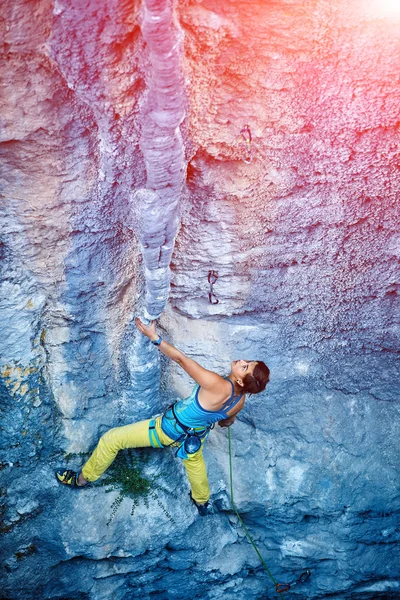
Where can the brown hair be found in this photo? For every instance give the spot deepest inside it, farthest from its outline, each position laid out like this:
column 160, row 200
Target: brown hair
column 255, row 383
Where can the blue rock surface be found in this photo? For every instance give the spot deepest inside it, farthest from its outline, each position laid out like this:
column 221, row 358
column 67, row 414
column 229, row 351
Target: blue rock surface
column 101, row 124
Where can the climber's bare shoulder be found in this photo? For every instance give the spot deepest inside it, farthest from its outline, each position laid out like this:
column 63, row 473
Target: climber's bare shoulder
column 215, row 401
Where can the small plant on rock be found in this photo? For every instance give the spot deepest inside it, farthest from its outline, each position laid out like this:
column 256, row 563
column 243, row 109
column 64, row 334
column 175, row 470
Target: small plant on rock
column 126, row 475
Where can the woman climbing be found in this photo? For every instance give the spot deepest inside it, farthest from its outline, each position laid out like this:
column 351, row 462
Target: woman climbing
column 185, row 425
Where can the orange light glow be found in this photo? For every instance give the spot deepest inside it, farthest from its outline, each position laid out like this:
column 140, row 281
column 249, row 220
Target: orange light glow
column 389, row 9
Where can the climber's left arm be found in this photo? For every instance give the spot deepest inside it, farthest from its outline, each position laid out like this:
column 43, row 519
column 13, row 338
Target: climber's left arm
column 227, row 422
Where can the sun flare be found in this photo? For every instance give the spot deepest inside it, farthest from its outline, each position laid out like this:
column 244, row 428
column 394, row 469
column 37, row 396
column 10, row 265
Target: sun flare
column 389, row 9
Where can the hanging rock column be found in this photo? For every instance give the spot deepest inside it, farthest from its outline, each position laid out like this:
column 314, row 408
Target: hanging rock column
column 157, row 204
column 162, row 148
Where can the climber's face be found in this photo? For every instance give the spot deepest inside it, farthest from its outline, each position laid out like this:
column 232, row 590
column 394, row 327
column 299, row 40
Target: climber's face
column 241, row 368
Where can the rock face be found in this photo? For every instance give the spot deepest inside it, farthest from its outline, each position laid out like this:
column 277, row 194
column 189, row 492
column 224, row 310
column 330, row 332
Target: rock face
column 283, row 117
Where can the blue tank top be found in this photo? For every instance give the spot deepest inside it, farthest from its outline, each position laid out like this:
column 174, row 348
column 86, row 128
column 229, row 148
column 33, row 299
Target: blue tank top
column 191, row 414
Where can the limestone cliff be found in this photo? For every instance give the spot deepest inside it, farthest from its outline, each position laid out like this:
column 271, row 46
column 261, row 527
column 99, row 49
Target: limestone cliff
column 264, row 137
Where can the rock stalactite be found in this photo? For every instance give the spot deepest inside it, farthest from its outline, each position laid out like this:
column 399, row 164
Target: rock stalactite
column 158, row 205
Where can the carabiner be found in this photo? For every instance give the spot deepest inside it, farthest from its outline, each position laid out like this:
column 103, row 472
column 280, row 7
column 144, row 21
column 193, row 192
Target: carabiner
column 247, row 137
column 304, row 576
column 213, row 275
column 211, row 295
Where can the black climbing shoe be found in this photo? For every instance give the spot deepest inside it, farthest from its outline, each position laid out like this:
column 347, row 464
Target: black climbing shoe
column 68, row 477
column 202, row 508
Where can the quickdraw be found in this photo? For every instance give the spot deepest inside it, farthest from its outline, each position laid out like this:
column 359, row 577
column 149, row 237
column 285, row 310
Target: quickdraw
column 246, row 135
column 285, row 587
column 212, row 278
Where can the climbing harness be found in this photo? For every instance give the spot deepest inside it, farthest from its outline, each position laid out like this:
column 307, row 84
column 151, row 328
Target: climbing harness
column 188, row 424
column 154, row 439
column 212, row 278
column 246, row 135
column 191, row 438
column 285, row 587
column 279, row 587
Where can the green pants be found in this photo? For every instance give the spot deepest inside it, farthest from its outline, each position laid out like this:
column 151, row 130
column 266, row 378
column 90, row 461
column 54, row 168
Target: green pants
column 137, row 436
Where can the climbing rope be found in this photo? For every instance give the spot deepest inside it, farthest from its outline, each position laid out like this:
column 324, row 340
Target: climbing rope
column 252, row 542
column 279, row 587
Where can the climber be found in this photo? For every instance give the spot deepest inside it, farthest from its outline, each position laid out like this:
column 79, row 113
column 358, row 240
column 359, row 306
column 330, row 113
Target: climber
column 185, row 425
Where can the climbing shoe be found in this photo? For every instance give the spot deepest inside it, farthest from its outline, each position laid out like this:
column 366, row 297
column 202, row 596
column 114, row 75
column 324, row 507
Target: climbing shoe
column 68, row 477
column 202, row 508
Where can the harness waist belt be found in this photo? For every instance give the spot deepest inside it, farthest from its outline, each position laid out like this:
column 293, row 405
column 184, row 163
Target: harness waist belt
column 190, row 430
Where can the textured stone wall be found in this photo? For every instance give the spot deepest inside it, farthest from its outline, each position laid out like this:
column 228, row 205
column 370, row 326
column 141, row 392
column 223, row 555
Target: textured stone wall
column 301, row 225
